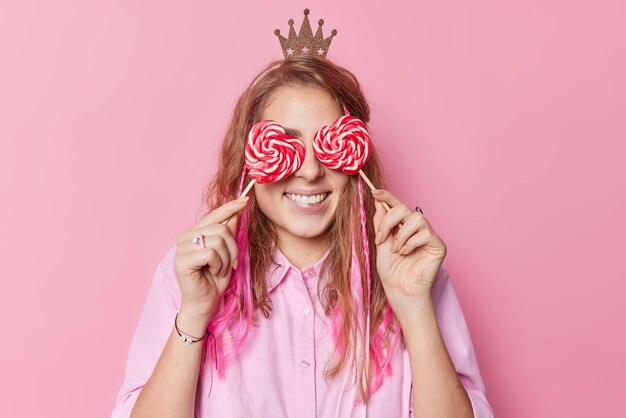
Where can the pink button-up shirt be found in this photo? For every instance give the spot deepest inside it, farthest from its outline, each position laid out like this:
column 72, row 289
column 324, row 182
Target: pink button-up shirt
column 279, row 369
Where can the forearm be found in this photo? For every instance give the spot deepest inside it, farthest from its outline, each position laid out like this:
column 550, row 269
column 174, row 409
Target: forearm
column 437, row 390
column 171, row 389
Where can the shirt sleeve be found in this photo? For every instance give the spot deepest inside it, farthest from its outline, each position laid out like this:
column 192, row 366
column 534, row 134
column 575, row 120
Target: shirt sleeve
column 153, row 330
column 456, row 336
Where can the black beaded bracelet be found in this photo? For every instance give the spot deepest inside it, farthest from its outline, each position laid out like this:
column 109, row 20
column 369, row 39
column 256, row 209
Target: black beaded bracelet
column 185, row 338
column 188, row 340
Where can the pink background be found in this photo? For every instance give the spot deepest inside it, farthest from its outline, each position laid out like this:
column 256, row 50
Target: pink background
column 504, row 122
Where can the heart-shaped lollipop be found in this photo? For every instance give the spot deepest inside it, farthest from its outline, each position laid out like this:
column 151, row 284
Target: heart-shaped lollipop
column 271, row 154
column 344, row 145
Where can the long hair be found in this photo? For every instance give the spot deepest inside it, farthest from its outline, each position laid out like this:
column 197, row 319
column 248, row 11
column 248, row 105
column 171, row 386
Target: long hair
column 352, row 235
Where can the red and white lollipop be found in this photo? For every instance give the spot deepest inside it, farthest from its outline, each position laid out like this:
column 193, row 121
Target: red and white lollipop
column 271, row 154
column 344, row 145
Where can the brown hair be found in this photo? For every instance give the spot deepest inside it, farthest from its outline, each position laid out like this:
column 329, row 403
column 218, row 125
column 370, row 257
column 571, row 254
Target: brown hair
column 343, row 86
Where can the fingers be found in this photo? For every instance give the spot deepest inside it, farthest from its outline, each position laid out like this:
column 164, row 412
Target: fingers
column 216, row 236
column 381, row 224
column 189, row 262
column 220, row 248
column 397, row 215
column 216, row 253
column 415, row 241
column 220, row 259
column 409, row 228
column 219, row 235
column 224, row 212
column 386, row 196
column 412, row 227
column 379, row 215
column 415, row 224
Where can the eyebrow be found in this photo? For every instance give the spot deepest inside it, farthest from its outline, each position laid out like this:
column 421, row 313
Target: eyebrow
column 292, row 132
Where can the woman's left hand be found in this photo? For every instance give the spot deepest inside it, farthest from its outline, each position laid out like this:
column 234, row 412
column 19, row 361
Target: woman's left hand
column 408, row 259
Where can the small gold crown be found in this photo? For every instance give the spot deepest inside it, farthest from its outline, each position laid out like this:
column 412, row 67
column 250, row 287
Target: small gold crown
column 304, row 43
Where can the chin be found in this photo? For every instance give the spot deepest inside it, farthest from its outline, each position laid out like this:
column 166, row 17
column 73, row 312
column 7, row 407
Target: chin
column 303, row 231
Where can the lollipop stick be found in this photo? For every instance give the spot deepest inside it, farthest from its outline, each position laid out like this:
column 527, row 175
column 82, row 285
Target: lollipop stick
column 245, row 192
column 369, row 183
column 248, row 187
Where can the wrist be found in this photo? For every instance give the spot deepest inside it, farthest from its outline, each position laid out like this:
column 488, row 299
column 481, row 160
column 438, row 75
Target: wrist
column 413, row 310
column 198, row 310
column 192, row 323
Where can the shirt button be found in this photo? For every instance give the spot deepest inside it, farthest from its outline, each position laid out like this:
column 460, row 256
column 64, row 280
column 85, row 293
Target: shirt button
column 311, row 273
column 305, row 363
column 306, row 312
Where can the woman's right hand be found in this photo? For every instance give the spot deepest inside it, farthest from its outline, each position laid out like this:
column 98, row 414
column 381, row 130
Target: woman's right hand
column 204, row 273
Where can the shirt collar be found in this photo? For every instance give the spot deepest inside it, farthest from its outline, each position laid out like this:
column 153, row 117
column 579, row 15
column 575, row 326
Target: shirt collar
column 280, row 266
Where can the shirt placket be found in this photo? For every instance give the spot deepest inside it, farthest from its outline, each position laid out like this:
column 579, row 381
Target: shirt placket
column 306, row 365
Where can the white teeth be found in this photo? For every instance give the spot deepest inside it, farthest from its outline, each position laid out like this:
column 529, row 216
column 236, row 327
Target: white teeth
column 307, row 199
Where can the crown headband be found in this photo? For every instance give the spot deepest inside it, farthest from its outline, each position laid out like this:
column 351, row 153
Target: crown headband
column 305, row 43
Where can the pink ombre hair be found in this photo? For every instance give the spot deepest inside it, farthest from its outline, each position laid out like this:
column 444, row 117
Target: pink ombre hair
column 353, row 296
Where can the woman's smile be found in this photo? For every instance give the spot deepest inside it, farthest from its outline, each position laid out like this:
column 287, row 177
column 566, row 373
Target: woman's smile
column 308, row 202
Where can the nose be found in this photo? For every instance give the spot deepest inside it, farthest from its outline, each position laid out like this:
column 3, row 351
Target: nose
column 311, row 167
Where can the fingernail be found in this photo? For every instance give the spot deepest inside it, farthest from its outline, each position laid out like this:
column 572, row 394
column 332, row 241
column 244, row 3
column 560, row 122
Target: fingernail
column 402, row 250
column 243, row 199
column 379, row 237
column 394, row 247
column 235, row 264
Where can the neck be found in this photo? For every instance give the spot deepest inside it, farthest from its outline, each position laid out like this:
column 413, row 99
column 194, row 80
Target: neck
column 302, row 252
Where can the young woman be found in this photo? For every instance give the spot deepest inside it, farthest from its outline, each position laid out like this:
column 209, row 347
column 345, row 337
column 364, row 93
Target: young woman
column 294, row 282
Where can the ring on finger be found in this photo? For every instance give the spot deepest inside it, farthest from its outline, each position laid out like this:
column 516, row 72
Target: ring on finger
column 198, row 241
